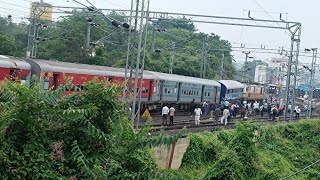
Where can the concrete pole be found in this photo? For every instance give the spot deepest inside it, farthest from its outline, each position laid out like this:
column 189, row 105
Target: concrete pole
column 245, row 67
column 153, row 40
column 222, row 66
column 88, row 36
column 171, row 58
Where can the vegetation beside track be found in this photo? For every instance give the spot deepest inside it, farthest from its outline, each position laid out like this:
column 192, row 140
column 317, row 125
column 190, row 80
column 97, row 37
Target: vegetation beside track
column 274, row 152
column 45, row 135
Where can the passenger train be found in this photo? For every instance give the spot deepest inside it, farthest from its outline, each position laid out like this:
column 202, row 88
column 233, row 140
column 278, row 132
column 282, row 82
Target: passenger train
column 157, row 88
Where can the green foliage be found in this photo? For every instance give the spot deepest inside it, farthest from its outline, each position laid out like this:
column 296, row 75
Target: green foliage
column 227, row 166
column 7, row 45
column 272, row 153
column 45, row 135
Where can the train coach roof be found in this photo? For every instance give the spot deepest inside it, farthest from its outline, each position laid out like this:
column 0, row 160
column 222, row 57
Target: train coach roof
column 231, row 84
column 185, row 79
column 12, row 62
column 66, row 67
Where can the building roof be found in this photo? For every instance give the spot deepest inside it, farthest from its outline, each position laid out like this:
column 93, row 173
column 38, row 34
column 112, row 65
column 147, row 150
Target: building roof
column 12, row 62
column 185, row 79
column 231, row 84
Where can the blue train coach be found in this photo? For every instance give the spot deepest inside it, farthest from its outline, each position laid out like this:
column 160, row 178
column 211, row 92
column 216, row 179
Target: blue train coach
column 231, row 90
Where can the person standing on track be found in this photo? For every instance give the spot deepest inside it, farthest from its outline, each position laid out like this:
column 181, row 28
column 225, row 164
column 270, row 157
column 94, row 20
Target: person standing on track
column 165, row 112
column 274, row 113
column 192, row 106
column 233, row 109
column 217, row 113
column 225, row 115
column 298, row 111
column 197, row 113
column 171, row 113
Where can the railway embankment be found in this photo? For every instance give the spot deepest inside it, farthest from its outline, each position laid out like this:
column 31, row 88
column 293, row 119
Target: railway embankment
column 253, row 151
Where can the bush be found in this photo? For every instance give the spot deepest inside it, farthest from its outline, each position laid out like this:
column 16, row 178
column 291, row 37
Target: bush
column 45, row 135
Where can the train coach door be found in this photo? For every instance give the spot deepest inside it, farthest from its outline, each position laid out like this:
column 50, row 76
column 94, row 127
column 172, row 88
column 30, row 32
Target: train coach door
column 178, row 91
column 202, row 93
column 55, row 82
column 150, row 90
column 161, row 89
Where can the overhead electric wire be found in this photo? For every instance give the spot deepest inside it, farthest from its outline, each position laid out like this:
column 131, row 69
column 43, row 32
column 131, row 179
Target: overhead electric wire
column 14, row 5
column 14, row 10
column 301, row 170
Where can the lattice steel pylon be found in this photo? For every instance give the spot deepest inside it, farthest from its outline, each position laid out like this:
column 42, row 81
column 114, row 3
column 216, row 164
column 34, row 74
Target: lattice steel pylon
column 137, row 40
column 295, row 31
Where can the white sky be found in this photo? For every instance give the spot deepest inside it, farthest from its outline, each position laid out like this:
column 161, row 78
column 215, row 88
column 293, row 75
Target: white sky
column 305, row 12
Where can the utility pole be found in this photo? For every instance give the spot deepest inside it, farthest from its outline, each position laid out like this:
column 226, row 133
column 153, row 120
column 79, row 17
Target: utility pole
column 313, row 70
column 88, row 35
column 222, row 66
column 153, row 40
column 171, row 58
column 35, row 38
column 244, row 74
column 203, row 64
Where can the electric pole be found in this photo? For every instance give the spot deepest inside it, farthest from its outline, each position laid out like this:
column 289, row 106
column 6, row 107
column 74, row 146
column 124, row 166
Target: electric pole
column 88, row 36
column 313, row 70
column 171, row 58
column 203, row 64
column 222, row 66
column 244, row 74
column 153, row 39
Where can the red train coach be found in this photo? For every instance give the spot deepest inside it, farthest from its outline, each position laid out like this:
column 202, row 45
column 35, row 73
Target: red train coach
column 14, row 69
column 52, row 75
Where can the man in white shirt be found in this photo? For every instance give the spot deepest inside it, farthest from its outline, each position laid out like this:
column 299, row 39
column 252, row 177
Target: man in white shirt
column 298, row 111
column 197, row 113
column 256, row 107
column 165, row 112
column 224, row 118
column 171, row 113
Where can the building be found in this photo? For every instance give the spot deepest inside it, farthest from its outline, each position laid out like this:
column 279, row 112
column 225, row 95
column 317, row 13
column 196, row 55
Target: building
column 261, row 74
column 41, row 10
column 278, row 71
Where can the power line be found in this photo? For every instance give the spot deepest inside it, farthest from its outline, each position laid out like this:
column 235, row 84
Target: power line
column 301, row 170
column 14, row 10
column 116, row 4
column 264, row 10
column 14, row 5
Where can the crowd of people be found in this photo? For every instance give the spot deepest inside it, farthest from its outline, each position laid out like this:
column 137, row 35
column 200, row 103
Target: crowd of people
column 226, row 110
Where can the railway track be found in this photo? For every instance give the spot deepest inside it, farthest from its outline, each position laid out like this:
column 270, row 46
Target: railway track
column 211, row 125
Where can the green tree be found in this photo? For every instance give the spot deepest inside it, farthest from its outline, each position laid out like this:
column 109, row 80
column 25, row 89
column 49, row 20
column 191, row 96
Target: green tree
column 7, row 45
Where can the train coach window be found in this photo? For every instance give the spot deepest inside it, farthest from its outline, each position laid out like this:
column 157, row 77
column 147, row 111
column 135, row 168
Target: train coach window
column 168, row 90
column 197, row 93
column 46, row 83
column 208, row 93
column 261, row 90
column 165, row 90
